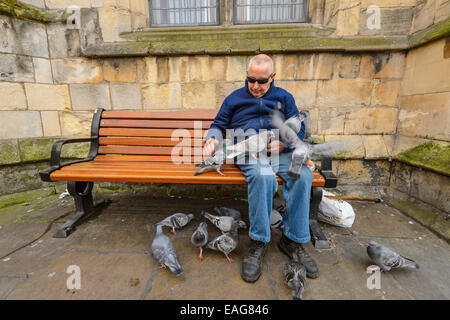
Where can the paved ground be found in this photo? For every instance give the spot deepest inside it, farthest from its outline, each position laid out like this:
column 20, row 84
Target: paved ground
column 112, row 251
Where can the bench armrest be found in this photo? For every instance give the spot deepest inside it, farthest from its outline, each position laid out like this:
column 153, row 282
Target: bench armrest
column 327, row 173
column 55, row 158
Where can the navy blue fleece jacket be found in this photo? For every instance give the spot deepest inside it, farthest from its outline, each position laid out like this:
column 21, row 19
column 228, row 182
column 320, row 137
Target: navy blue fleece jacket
column 242, row 110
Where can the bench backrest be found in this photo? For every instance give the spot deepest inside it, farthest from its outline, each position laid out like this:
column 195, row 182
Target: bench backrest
column 153, row 135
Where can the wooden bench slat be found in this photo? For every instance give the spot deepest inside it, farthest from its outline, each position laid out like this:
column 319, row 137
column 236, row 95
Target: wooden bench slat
column 140, row 132
column 145, row 150
column 138, row 123
column 196, row 114
column 143, row 141
column 143, row 164
column 156, row 158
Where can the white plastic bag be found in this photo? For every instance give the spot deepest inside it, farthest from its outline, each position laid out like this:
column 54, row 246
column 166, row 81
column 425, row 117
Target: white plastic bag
column 336, row 212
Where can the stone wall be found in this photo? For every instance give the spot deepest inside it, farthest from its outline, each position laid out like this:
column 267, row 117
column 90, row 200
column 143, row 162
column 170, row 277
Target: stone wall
column 51, row 80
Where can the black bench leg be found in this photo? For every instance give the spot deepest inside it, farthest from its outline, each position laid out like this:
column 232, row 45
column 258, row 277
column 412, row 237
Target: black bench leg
column 317, row 237
column 84, row 205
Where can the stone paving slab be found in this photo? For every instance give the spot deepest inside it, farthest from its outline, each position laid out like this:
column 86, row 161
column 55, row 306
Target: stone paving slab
column 113, row 250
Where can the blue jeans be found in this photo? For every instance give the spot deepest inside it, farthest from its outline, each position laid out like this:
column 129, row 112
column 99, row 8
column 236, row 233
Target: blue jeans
column 262, row 185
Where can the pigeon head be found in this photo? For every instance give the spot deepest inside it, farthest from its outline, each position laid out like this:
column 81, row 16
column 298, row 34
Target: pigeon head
column 373, row 244
column 297, row 289
column 242, row 224
column 190, row 216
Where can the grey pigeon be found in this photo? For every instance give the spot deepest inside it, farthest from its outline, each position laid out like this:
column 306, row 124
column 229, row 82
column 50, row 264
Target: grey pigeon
column 303, row 151
column 164, row 252
column 200, row 237
column 176, row 220
column 213, row 163
column 226, row 242
column 276, row 222
column 253, row 145
column 386, row 259
column 224, row 223
column 229, row 212
column 295, row 275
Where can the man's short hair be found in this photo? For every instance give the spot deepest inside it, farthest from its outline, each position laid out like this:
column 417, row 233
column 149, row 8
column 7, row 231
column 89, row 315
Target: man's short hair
column 261, row 59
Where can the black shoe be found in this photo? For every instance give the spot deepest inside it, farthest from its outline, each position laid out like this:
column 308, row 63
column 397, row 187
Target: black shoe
column 295, row 251
column 252, row 263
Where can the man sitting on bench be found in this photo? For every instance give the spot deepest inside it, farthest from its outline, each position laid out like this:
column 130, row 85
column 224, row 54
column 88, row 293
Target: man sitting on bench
column 250, row 107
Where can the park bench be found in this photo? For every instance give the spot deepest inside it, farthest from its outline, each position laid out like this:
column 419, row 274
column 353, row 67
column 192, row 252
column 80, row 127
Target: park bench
column 137, row 146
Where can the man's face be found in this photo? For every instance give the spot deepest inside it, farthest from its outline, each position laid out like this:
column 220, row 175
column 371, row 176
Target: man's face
column 259, row 72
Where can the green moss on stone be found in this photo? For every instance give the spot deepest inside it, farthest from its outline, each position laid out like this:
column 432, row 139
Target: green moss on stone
column 35, row 149
column 432, row 155
column 433, row 32
column 433, row 221
column 9, row 152
column 26, row 196
column 21, row 11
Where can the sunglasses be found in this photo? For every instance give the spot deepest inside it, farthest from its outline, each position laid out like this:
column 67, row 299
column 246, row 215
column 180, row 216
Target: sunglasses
column 260, row 81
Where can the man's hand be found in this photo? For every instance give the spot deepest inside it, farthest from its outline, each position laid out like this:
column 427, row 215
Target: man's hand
column 275, row 146
column 210, row 146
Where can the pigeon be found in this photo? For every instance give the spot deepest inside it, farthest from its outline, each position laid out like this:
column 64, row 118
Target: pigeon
column 175, row 221
column 226, row 242
column 224, row 211
column 303, row 151
column 224, row 223
column 254, row 144
column 164, row 252
column 200, row 238
column 295, row 275
column 386, row 259
column 276, row 222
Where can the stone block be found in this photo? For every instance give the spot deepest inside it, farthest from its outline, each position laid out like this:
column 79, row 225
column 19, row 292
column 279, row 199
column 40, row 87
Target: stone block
column 125, row 96
column 27, row 38
column 354, row 146
column 304, row 92
column 119, row 70
column 90, row 96
column 162, row 96
column 179, row 69
column 114, row 18
column 63, row 42
column 389, row 142
column 331, row 120
column 223, row 89
column 431, row 188
column 425, row 116
column 35, row 149
column 401, row 177
column 76, row 124
column 50, row 123
column 425, row 70
column 374, row 147
column 423, row 15
column 393, row 21
column 35, row 3
column 20, row 124
column 383, row 65
column 386, row 93
column 344, row 93
column 207, row 68
column 286, row 66
column 12, row 96
column 363, row 172
column 348, row 18
column 371, row 121
column 9, row 152
column 388, row 3
column 346, row 65
column 139, row 14
column 76, row 70
column 147, row 70
column 442, row 10
column 16, row 68
column 198, row 96
column 42, row 70
column 47, row 96
column 237, row 68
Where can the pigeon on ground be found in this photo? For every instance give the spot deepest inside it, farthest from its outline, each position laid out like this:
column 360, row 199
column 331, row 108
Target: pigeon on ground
column 226, row 242
column 224, row 223
column 176, row 220
column 229, row 212
column 276, row 222
column 200, row 238
column 303, row 151
column 386, row 259
column 295, row 275
column 164, row 252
